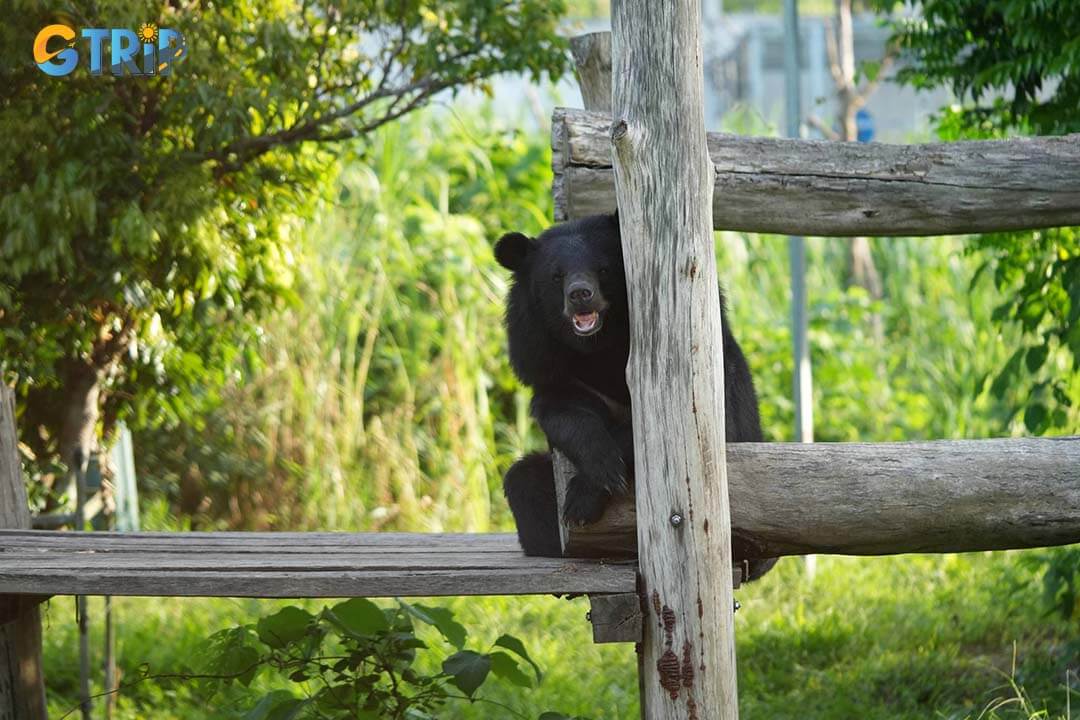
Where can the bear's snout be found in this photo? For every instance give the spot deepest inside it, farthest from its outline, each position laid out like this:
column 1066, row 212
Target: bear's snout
column 579, row 292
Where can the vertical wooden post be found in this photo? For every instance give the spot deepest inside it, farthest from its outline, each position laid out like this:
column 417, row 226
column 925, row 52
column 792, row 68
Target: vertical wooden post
column 22, row 683
column 664, row 185
column 592, row 61
column 80, row 465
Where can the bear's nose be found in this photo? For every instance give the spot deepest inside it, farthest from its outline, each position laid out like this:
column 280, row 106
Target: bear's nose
column 579, row 292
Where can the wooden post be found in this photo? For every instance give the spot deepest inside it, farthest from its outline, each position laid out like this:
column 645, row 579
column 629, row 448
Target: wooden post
column 22, row 683
column 664, row 185
column 592, row 58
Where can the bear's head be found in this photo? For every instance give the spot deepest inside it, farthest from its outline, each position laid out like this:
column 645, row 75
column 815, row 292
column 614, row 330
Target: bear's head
column 571, row 275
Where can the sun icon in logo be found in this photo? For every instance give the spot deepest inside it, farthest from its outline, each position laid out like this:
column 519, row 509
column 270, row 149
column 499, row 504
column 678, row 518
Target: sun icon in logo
column 148, row 32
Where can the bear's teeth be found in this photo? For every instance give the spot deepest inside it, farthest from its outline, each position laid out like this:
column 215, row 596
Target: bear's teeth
column 585, row 321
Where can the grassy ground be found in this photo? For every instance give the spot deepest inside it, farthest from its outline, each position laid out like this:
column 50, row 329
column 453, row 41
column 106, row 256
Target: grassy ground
column 906, row 637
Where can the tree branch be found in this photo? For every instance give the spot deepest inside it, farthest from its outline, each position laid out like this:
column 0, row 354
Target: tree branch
column 832, row 54
column 818, row 124
column 237, row 153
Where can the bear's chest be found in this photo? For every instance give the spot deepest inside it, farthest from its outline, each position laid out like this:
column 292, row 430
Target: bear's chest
column 604, row 373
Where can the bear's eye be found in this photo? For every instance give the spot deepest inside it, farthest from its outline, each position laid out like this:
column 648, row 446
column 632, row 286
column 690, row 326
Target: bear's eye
column 557, row 276
column 603, row 272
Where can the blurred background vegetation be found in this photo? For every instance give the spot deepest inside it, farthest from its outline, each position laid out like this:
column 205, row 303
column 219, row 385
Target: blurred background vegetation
column 349, row 373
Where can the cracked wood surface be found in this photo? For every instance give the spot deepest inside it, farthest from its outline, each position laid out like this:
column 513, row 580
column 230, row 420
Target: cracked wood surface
column 818, row 187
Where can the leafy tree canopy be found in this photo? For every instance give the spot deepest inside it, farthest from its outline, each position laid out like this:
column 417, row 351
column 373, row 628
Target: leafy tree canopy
column 1016, row 62
column 146, row 223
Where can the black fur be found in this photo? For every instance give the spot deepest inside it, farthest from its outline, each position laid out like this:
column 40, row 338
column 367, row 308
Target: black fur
column 578, row 374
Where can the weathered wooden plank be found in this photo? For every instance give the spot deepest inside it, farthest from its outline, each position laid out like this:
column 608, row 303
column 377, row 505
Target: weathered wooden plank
column 262, row 562
column 567, row 578
column 817, row 187
column 428, row 543
column 290, row 565
column 22, row 682
column 888, row 498
column 676, row 369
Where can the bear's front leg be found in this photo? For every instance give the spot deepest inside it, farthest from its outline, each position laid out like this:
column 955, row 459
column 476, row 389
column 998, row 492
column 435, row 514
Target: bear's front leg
column 585, row 433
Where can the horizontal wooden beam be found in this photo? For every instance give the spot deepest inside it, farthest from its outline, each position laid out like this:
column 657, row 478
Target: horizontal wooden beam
column 812, row 187
column 887, row 498
column 291, row 565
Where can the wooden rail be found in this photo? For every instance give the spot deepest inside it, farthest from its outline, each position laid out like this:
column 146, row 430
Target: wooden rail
column 35, row 562
column 883, row 499
column 812, row 187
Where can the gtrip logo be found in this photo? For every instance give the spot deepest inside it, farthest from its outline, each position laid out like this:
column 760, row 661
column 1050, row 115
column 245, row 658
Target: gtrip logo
column 148, row 51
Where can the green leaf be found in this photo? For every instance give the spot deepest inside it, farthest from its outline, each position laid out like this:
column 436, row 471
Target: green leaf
column 467, row 670
column 504, row 666
column 232, row 654
column 517, row 647
column 284, row 627
column 359, row 616
column 1036, row 418
column 276, row 705
column 1036, row 356
column 442, row 620
column 1008, row 375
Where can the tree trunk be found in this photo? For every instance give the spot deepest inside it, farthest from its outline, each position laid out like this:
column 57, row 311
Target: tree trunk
column 22, row 683
column 861, row 269
column 663, row 180
column 82, row 387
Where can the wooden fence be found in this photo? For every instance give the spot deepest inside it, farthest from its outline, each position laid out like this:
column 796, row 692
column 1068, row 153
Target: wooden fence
column 648, row 148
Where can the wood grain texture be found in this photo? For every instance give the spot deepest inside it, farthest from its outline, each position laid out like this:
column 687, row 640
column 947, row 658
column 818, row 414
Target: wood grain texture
column 615, row 617
column 22, row 682
column 663, row 179
column 819, row 187
column 592, row 63
column 888, row 498
column 291, row 565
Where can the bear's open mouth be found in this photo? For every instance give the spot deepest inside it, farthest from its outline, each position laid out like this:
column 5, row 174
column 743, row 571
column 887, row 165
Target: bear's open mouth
column 586, row 323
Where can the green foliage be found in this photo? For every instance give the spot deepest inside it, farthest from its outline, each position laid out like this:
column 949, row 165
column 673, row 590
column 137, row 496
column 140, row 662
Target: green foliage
column 916, row 382
column 1060, row 569
column 359, row 660
column 147, row 225
column 1038, row 274
column 1016, row 62
column 898, row 638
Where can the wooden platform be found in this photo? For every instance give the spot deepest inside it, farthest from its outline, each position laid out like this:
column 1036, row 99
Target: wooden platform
column 280, row 565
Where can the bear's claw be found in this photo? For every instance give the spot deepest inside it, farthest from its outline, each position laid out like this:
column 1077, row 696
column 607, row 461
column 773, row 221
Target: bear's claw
column 584, row 504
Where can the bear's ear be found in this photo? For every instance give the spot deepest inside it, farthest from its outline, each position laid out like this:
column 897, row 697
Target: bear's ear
column 512, row 249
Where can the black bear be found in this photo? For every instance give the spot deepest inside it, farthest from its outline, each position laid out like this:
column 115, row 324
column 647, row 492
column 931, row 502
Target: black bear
column 569, row 334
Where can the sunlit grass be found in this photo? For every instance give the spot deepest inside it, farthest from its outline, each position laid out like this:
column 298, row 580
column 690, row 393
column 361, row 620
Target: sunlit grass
column 956, row 636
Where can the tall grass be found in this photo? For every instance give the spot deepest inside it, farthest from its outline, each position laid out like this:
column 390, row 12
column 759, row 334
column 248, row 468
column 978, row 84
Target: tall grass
column 379, row 396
